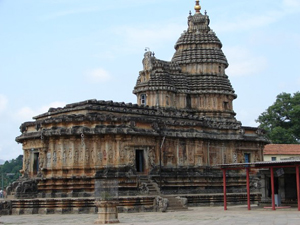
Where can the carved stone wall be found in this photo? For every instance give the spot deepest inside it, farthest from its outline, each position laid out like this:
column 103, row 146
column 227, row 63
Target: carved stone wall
column 114, row 144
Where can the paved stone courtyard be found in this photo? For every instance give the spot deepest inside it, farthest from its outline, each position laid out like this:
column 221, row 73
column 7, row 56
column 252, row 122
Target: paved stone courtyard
column 195, row 215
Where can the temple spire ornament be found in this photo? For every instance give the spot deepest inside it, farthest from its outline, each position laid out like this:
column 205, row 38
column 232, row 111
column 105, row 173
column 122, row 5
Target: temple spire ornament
column 197, row 6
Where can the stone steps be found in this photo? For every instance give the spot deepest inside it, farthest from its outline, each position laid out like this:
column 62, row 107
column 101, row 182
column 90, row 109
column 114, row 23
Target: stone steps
column 151, row 185
column 175, row 204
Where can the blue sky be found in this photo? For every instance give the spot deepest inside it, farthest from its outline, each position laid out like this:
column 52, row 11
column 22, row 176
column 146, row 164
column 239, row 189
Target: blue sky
column 55, row 52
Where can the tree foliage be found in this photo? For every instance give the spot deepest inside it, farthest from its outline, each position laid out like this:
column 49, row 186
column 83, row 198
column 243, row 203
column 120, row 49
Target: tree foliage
column 11, row 167
column 282, row 119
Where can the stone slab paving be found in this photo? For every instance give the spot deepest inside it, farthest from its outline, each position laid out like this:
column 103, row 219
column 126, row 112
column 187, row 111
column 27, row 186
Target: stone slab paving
column 194, row 216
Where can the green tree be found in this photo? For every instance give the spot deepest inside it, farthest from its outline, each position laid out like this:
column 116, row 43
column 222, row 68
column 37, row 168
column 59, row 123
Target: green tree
column 282, row 119
column 11, row 167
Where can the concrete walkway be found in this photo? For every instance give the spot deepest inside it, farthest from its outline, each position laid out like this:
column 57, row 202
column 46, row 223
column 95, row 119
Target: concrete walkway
column 194, row 216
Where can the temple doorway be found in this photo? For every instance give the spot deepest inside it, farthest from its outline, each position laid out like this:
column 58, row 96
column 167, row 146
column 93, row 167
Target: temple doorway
column 35, row 163
column 139, row 161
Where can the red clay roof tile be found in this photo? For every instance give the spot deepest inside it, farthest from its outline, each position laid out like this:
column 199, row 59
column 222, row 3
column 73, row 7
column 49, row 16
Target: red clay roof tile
column 282, row 149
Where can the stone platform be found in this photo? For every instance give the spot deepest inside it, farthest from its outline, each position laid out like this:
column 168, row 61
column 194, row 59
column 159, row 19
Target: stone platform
column 129, row 204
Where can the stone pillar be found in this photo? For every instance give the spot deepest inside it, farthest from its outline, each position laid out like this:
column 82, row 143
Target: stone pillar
column 73, row 161
column 107, row 212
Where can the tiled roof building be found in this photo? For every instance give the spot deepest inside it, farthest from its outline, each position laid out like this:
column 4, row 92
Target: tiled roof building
column 276, row 152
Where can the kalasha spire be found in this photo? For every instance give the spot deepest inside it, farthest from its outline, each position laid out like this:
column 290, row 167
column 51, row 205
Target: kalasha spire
column 197, row 6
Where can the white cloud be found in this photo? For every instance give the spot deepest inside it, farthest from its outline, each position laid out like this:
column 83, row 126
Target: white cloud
column 98, row 75
column 242, row 62
column 3, row 103
column 26, row 113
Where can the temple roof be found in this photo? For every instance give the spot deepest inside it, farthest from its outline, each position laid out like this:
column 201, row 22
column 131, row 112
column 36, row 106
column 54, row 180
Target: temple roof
column 168, row 76
column 121, row 118
column 197, row 47
column 200, row 55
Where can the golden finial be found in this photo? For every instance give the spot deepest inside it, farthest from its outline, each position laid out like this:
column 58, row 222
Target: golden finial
column 197, row 6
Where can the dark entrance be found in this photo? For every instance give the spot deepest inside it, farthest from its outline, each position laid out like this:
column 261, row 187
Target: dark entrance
column 276, row 182
column 139, row 160
column 290, row 186
column 35, row 163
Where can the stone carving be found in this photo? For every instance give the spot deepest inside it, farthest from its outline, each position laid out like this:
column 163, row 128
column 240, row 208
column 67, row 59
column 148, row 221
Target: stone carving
column 131, row 158
column 155, row 126
column 200, row 161
column 87, row 155
column 100, row 155
column 257, row 158
column 122, row 155
column 144, row 188
column 59, row 156
column 70, row 155
column 5, row 208
column 255, row 183
column 162, row 203
column 132, row 124
column 184, row 201
column 152, row 157
column 27, row 165
column 110, row 155
column 147, row 61
column 191, row 156
column 25, row 188
column 41, row 163
column 104, row 154
column 260, row 132
column 129, row 173
column 81, row 155
column 76, row 156
column 49, row 159
column 240, row 157
column 64, row 157
column 54, row 157
column 92, row 156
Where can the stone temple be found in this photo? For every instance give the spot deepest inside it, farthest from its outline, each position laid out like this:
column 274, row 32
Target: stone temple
column 182, row 125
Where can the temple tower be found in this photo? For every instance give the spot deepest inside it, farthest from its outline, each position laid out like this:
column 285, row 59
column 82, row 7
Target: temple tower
column 195, row 78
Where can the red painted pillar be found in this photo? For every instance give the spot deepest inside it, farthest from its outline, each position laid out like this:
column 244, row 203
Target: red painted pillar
column 273, row 188
column 224, row 189
column 298, row 188
column 248, row 188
